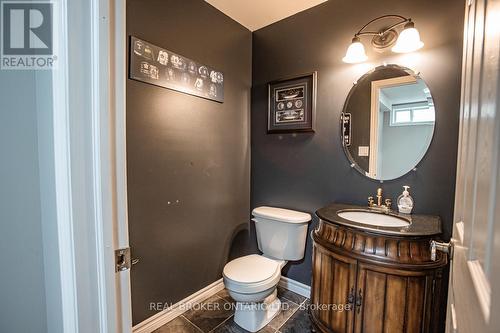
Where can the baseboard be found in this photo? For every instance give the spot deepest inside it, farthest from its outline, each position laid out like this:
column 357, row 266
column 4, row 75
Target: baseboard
column 295, row 286
column 163, row 317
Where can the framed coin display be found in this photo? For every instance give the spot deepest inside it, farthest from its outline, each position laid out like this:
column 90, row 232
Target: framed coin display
column 292, row 104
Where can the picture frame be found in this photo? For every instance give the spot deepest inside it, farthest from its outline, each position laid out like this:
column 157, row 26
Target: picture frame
column 149, row 63
column 292, row 104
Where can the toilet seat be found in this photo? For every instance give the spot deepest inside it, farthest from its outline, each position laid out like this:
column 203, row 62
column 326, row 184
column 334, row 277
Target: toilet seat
column 251, row 274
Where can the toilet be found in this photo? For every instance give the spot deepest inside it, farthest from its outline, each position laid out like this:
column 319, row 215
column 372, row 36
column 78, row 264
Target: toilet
column 252, row 280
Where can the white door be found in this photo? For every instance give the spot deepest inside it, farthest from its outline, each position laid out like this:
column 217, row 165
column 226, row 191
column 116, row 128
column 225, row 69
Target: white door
column 474, row 294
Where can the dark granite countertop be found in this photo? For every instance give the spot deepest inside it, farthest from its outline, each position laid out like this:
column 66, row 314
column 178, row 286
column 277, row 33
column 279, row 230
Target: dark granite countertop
column 420, row 225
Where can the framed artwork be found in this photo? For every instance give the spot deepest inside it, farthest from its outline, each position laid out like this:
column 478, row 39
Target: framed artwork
column 292, row 104
column 155, row 65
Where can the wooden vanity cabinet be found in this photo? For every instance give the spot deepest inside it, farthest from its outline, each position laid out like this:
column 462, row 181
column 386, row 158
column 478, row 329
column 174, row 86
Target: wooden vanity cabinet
column 388, row 283
column 334, row 280
column 396, row 301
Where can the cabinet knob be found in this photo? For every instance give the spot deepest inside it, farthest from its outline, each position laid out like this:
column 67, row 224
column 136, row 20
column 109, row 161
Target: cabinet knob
column 351, row 297
column 359, row 300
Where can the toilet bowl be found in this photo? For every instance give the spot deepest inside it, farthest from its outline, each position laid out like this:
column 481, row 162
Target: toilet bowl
column 252, row 280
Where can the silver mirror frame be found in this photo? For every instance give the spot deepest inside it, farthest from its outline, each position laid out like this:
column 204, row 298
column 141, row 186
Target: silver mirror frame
column 351, row 159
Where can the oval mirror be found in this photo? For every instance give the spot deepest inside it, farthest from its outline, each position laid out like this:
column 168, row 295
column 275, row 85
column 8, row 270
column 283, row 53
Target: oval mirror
column 387, row 122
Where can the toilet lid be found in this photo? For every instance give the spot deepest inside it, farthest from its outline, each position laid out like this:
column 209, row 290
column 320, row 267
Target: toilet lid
column 251, row 269
column 281, row 214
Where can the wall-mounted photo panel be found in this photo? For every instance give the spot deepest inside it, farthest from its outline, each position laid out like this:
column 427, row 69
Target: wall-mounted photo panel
column 164, row 68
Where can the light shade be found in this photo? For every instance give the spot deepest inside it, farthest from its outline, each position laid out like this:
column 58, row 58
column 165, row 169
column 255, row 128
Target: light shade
column 355, row 52
column 408, row 40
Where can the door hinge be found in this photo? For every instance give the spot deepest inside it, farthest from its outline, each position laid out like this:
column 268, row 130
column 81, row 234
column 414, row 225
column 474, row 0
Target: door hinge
column 123, row 260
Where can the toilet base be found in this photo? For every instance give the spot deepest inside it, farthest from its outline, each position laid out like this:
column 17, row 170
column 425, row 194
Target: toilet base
column 254, row 316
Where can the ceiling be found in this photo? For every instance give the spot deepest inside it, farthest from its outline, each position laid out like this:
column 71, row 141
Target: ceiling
column 255, row 14
column 407, row 93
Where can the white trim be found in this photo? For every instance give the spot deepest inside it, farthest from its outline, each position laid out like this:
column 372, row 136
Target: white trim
column 482, row 286
column 454, row 325
column 118, row 78
column 62, row 170
column 99, row 91
column 295, row 286
column 460, row 231
column 163, row 317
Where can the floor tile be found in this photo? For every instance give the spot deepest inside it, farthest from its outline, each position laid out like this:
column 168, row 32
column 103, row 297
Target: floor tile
column 290, row 295
column 298, row 323
column 229, row 326
column 215, row 315
column 178, row 325
column 210, row 313
column 225, row 295
column 287, row 310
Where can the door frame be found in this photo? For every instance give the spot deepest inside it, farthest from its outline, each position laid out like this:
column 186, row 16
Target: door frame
column 90, row 164
column 375, row 113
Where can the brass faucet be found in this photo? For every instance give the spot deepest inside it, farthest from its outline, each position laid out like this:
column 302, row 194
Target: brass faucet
column 386, row 208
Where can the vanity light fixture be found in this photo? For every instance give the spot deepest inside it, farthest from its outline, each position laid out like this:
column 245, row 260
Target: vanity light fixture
column 406, row 41
column 355, row 52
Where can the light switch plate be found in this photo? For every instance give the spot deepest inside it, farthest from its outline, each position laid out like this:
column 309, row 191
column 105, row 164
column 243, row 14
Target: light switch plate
column 363, row 150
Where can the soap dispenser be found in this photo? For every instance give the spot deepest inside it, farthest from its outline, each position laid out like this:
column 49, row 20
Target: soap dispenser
column 405, row 201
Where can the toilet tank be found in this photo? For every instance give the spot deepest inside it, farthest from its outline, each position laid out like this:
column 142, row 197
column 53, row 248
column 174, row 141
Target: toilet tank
column 281, row 233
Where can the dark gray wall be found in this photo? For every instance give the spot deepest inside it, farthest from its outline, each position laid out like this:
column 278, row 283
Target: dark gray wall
column 188, row 158
column 305, row 171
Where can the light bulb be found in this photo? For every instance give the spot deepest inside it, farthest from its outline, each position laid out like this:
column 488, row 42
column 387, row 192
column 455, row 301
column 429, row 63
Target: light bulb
column 408, row 40
column 355, row 52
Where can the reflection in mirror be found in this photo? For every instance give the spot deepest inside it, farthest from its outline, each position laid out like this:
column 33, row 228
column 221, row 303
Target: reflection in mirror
column 388, row 122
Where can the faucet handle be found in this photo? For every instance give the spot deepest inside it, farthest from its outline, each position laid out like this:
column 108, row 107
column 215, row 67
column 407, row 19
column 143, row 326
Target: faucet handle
column 370, row 201
column 388, row 203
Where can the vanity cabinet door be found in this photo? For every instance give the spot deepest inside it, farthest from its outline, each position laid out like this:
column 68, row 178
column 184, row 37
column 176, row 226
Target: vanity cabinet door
column 391, row 300
column 334, row 278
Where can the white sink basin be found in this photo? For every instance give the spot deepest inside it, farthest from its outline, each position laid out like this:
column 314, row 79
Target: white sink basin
column 376, row 219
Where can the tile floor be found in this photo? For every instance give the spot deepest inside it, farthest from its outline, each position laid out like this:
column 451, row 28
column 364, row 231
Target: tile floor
column 216, row 316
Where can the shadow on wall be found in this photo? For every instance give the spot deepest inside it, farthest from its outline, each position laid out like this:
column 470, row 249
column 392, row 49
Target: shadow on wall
column 243, row 242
